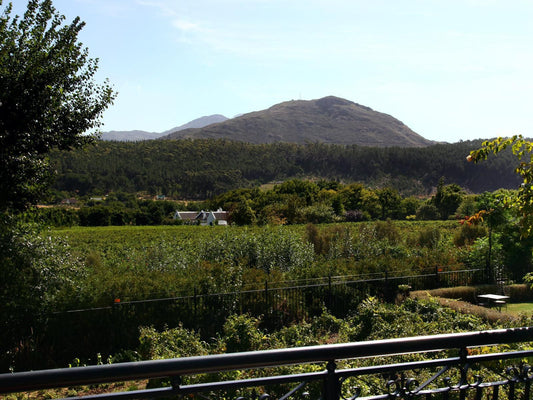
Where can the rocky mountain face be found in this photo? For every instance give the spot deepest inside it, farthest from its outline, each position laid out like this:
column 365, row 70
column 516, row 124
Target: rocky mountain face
column 327, row 120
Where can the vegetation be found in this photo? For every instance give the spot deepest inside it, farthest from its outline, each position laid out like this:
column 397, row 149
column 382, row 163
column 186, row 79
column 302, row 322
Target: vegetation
column 289, row 233
column 371, row 320
column 520, row 202
column 49, row 98
column 201, row 169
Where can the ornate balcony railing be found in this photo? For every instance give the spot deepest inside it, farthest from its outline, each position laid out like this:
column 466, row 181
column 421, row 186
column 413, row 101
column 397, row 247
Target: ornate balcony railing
column 448, row 366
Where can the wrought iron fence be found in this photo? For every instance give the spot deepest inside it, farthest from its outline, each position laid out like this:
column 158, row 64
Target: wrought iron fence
column 448, row 366
column 278, row 305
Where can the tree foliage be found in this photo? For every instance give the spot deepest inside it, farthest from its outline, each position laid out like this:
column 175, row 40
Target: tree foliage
column 521, row 201
column 48, row 98
column 200, row 169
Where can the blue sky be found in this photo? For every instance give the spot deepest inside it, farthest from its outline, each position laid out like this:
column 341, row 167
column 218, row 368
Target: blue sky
column 450, row 70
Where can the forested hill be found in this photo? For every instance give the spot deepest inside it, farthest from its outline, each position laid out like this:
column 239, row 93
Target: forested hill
column 199, row 169
column 327, row 120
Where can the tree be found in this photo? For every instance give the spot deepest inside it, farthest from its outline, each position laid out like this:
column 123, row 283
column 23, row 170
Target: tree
column 48, row 99
column 389, row 200
column 242, row 213
column 447, row 199
column 521, row 201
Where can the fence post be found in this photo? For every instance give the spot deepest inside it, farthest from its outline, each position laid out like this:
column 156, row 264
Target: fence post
column 266, row 295
column 331, row 383
column 329, row 298
column 194, row 305
column 437, row 276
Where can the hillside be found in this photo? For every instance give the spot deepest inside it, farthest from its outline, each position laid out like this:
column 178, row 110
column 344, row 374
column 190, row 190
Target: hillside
column 134, row 136
column 202, row 168
column 327, row 120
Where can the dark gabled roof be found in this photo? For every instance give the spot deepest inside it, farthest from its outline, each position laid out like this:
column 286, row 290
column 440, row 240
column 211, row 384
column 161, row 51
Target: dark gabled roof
column 222, row 215
column 188, row 215
column 202, row 215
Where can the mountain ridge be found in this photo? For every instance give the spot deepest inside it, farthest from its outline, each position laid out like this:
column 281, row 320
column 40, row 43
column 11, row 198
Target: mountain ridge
column 136, row 135
column 327, row 120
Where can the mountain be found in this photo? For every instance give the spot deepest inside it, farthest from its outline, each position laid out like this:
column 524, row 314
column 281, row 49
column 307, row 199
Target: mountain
column 134, row 136
column 198, row 123
column 129, row 136
column 327, row 120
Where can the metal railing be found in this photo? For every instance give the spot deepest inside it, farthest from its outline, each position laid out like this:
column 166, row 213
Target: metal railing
column 446, row 366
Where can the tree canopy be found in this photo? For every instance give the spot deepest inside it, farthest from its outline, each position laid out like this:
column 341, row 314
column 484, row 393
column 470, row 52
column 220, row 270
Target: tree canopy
column 48, row 98
column 521, row 201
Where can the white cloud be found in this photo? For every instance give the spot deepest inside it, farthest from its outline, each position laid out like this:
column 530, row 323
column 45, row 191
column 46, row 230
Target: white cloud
column 186, row 26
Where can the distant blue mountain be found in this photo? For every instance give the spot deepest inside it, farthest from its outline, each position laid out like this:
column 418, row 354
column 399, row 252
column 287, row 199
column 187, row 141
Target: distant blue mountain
column 134, row 136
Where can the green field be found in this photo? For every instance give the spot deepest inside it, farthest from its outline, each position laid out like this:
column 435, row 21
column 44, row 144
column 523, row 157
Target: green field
column 520, row 308
column 145, row 262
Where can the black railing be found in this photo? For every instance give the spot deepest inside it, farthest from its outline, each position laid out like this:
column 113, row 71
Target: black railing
column 459, row 365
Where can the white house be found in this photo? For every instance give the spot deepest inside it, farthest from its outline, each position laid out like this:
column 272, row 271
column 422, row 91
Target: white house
column 219, row 217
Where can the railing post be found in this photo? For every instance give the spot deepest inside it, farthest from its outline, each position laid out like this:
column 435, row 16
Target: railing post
column 329, row 299
column 332, row 388
column 266, row 295
column 194, row 300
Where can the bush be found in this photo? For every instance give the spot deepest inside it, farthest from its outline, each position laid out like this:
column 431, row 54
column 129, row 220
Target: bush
column 387, row 230
column 468, row 234
column 170, row 343
column 466, row 293
column 37, row 276
column 356, row 216
column 427, row 212
column 241, row 333
column 429, row 237
column 520, row 292
column 316, row 214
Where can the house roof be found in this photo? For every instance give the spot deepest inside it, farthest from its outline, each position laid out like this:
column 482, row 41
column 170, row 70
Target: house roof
column 202, row 215
column 188, row 215
column 220, row 214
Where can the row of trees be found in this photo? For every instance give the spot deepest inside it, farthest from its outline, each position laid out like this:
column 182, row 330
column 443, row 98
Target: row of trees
column 299, row 201
column 201, row 169
column 291, row 202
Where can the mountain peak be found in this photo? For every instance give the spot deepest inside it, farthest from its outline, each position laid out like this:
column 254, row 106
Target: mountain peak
column 329, row 120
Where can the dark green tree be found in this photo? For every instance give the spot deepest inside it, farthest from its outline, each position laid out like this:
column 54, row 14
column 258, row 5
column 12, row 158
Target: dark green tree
column 48, row 98
column 389, row 200
column 242, row 213
column 447, row 199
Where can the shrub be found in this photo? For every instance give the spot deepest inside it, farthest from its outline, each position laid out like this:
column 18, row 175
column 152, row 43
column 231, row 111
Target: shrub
column 467, row 309
column 429, row 237
column 466, row 293
column 427, row 212
column 241, row 333
column 520, row 292
column 468, row 234
column 356, row 216
column 388, row 231
column 316, row 214
column 170, row 343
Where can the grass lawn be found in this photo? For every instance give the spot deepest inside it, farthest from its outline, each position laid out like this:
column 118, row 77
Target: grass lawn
column 517, row 308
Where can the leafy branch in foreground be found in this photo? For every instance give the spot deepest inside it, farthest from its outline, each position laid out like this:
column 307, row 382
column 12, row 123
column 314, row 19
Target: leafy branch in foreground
column 520, row 201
